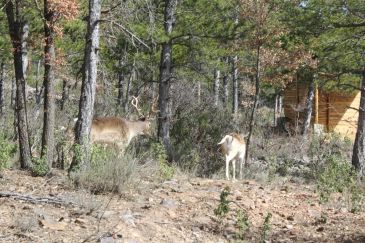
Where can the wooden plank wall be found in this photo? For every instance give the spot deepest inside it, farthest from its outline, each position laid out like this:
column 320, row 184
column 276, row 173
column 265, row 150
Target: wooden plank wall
column 333, row 109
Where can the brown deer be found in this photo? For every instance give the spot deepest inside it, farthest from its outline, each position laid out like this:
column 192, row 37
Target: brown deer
column 234, row 148
column 119, row 131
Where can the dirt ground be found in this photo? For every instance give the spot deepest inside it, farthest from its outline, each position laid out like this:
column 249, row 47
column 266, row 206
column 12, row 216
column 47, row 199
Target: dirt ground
column 179, row 210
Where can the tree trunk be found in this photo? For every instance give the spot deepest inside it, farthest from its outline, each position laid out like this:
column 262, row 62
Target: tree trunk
column 216, row 86
column 13, row 93
column 2, row 95
column 358, row 155
column 17, row 38
column 308, row 108
column 199, row 92
column 235, row 85
column 165, row 78
column 278, row 108
column 120, row 84
column 39, row 90
column 65, row 93
column 253, row 111
column 48, row 83
column 128, row 90
column 225, row 88
column 87, row 98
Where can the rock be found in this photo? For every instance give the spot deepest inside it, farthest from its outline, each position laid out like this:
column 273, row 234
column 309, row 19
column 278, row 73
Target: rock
column 107, row 214
column 80, row 221
column 128, row 218
column 169, row 203
column 107, row 240
column 289, row 227
column 53, row 225
column 290, row 218
column 320, row 229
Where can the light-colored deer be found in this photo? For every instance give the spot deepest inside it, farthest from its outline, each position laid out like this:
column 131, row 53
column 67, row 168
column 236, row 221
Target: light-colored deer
column 234, row 149
column 119, row 131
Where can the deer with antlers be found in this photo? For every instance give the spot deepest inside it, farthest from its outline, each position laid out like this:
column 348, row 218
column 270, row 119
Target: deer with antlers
column 119, row 131
column 234, row 148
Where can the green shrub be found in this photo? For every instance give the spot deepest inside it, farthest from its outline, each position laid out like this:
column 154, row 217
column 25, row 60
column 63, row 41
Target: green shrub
column 166, row 170
column 7, row 151
column 39, row 167
column 195, row 134
column 109, row 170
column 242, row 224
column 337, row 175
column 223, row 206
column 266, row 228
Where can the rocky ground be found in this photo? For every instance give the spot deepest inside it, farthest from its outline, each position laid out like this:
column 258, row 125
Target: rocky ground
column 34, row 209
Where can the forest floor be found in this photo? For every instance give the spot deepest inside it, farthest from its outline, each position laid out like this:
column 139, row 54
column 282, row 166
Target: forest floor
column 178, row 210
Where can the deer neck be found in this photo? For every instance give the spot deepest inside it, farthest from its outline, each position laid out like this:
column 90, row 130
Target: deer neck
column 135, row 128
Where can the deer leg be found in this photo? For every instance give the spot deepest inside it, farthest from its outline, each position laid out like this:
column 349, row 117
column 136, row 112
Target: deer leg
column 234, row 169
column 227, row 167
column 229, row 158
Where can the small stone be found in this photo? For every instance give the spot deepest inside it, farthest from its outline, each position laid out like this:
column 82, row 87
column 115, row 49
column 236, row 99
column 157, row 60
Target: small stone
column 169, row 203
column 107, row 240
column 290, row 218
column 320, row 229
column 289, row 227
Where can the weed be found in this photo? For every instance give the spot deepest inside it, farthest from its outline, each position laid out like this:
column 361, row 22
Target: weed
column 7, row 151
column 107, row 171
column 266, row 228
column 166, row 171
column 39, row 167
column 242, row 224
column 223, row 206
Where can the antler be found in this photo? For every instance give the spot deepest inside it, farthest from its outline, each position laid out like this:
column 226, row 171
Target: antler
column 135, row 105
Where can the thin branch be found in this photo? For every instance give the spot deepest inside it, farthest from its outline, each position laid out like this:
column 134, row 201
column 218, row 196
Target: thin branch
column 125, row 30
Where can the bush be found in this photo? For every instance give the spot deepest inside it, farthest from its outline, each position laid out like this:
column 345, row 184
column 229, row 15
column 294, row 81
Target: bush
column 7, row 151
column 338, row 175
column 39, row 167
column 109, row 170
column 159, row 154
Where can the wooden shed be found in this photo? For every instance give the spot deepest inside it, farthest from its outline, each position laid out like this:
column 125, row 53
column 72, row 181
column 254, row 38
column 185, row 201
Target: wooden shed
column 332, row 111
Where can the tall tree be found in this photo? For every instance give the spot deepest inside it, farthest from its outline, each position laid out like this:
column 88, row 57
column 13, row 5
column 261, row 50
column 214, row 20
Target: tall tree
column 358, row 155
column 216, row 86
column 48, row 84
column 88, row 87
column 53, row 10
column 2, row 81
column 308, row 105
column 16, row 25
column 165, row 77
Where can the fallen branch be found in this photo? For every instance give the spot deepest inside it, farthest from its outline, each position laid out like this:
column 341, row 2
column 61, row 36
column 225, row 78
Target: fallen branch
column 32, row 199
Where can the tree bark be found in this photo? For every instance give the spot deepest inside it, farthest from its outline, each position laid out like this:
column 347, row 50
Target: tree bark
column 48, row 83
column 16, row 25
column 256, row 99
column 235, row 85
column 165, row 78
column 13, row 93
column 358, row 155
column 128, row 90
column 308, row 108
column 88, row 88
column 65, row 93
column 121, row 80
column 2, row 95
column 216, row 86
column 225, row 88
